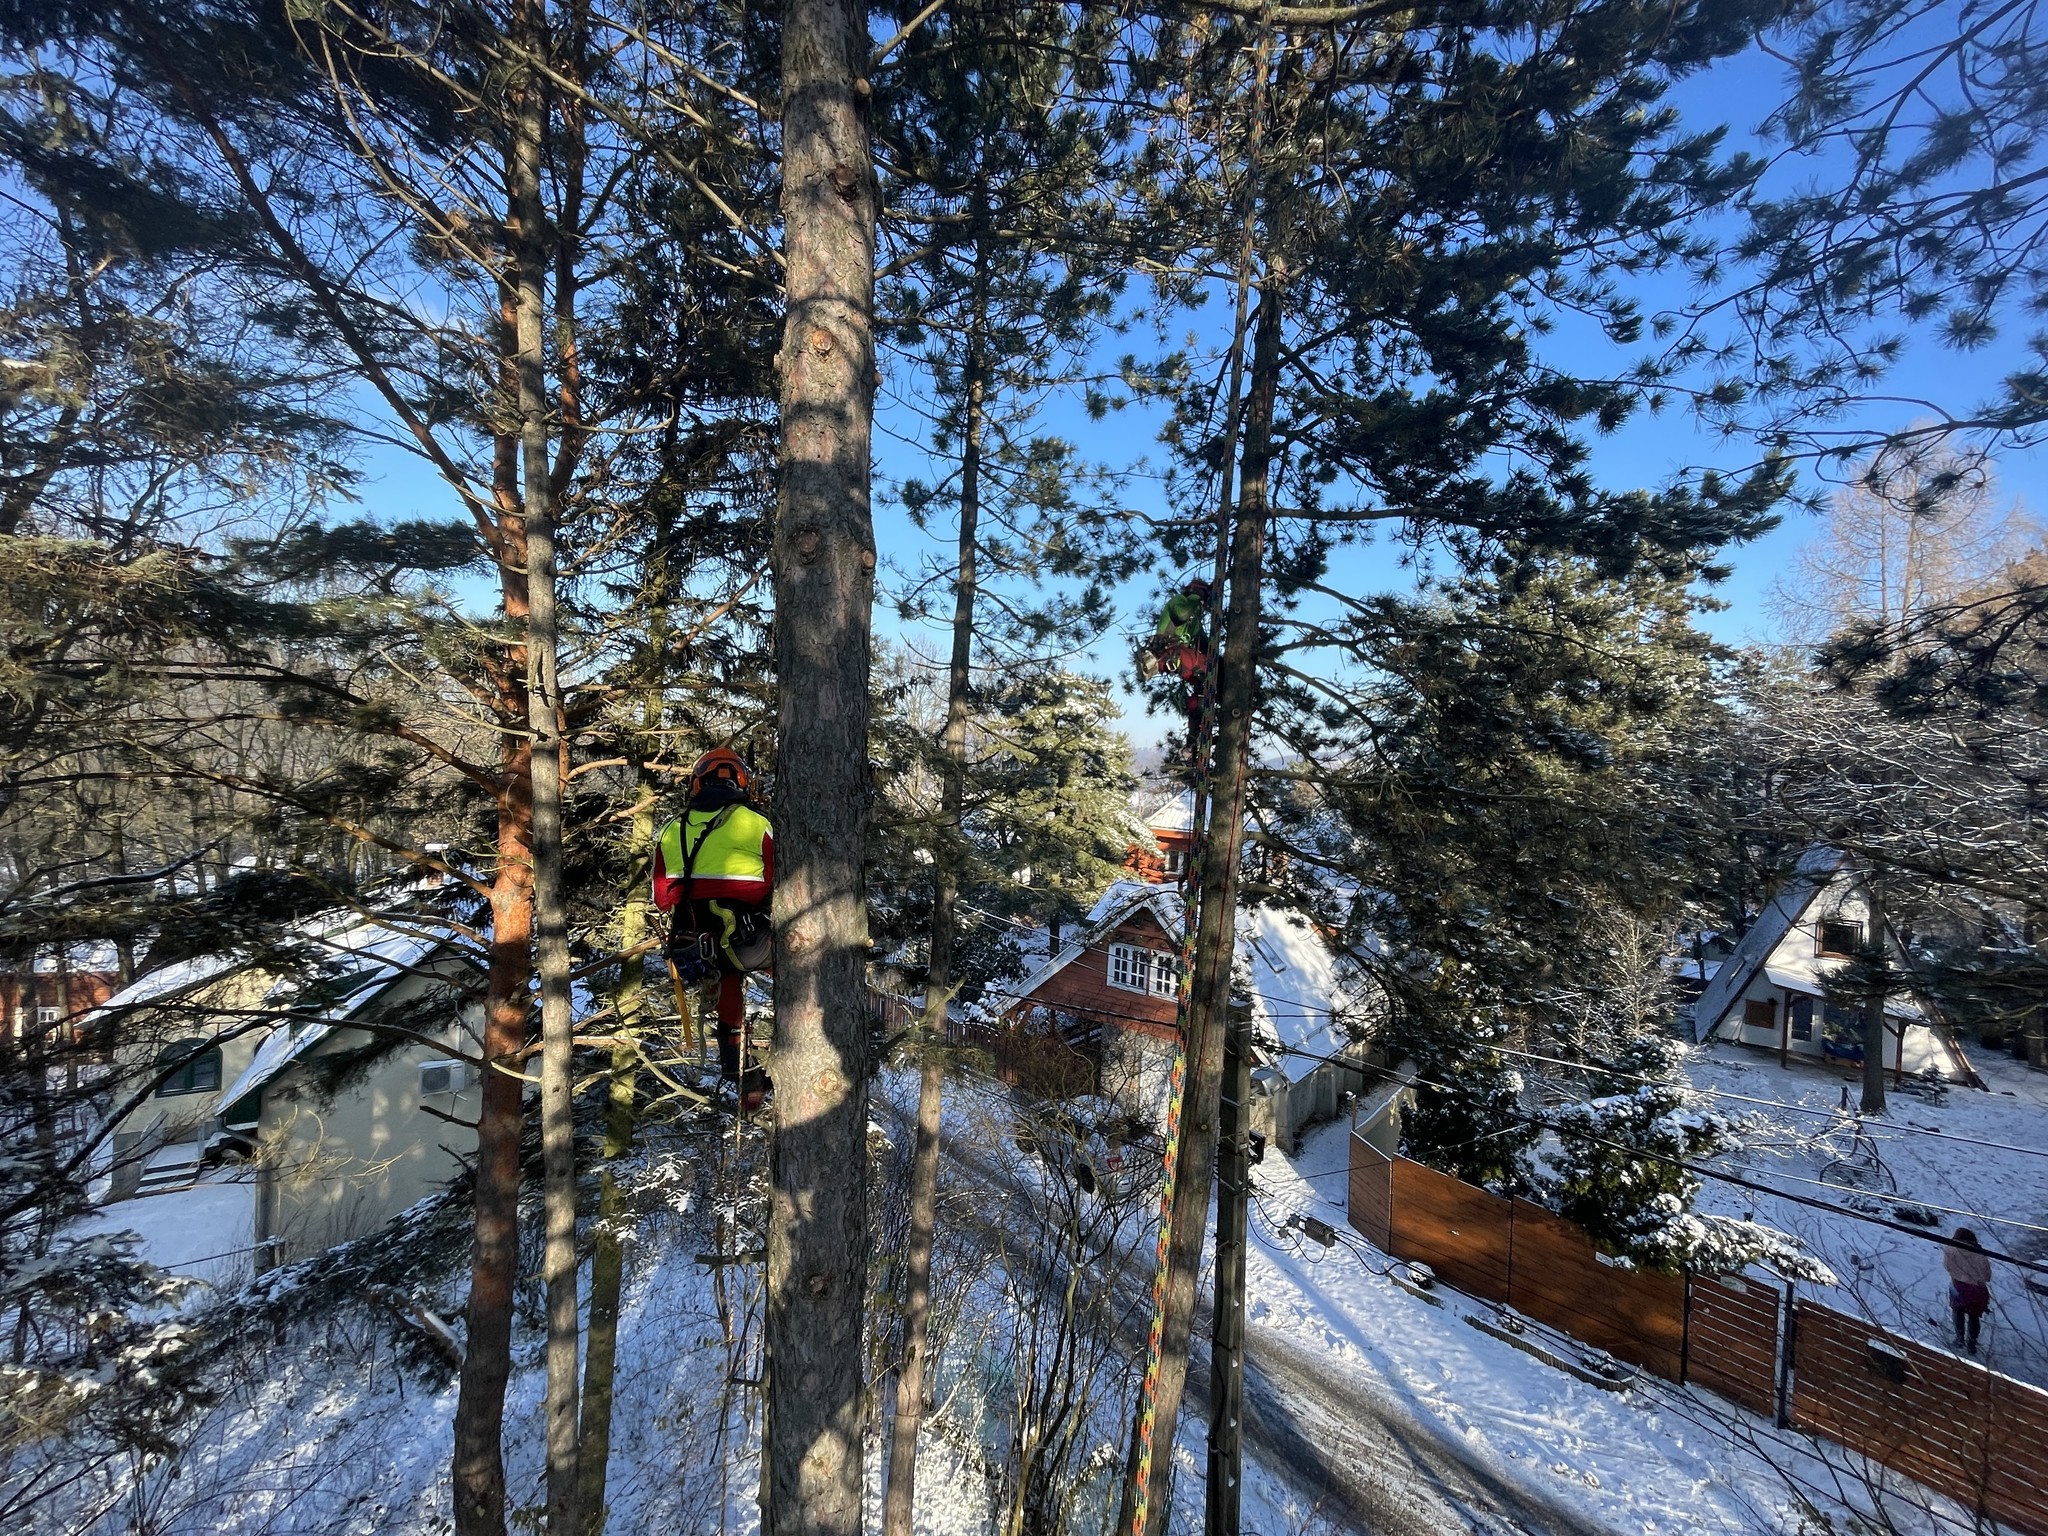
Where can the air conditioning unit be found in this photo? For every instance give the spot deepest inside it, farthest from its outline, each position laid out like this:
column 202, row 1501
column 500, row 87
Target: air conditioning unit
column 443, row 1077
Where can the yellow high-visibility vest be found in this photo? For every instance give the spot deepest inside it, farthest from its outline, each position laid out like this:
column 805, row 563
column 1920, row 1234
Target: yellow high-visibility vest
column 718, row 846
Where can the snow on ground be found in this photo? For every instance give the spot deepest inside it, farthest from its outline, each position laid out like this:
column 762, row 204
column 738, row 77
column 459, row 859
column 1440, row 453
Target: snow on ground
column 1654, row 1459
column 323, row 1434
column 1964, row 1157
column 205, row 1233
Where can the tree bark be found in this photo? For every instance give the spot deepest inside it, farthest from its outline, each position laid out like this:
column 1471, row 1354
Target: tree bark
column 939, row 984
column 608, row 1261
column 479, row 1465
column 479, row 1472
column 621, row 1113
column 544, row 722
column 824, row 559
column 1215, row 939
column 1873, row 1014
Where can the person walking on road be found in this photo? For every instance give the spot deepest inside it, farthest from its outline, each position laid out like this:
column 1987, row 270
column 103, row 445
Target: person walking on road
column 1969, row 1286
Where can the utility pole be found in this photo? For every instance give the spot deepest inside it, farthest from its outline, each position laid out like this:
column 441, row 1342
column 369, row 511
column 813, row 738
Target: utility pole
column 1226, row 1329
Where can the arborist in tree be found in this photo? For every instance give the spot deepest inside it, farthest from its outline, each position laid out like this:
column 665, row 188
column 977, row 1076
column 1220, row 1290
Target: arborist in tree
column 1180, row 647
column 714, row 869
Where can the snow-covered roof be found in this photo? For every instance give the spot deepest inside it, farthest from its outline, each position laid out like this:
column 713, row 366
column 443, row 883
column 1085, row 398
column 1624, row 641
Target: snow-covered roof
column 1809, row 980
column 279, row 1049
column 86, row 956
column 1124, row 897
column 359, row 957
column 1299, row 986
column 1816, row 868
column 165, row 983
column 1177, row 815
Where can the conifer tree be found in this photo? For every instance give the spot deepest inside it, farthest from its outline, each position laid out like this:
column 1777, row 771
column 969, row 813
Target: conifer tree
column 1906, row 211
column 1426, row 197
column 993, row 155
column 824, row 559
column 414, row 136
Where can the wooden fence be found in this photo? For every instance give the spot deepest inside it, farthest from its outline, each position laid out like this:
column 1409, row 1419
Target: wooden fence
column 1949, row 1423
column 1978, row 1437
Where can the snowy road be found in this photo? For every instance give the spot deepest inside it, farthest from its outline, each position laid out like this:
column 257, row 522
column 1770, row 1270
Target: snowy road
column 1350, row 1452
column 1361, row 1460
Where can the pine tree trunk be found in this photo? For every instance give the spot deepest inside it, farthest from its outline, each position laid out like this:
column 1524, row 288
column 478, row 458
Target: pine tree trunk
column 608, row 1260
column 544, row 721
column 917, row 1295
column 479, row 1470
column 939, row 984
column 1873, row 1014
column 479, row 1473
column 1215, row 937
column 824, row 560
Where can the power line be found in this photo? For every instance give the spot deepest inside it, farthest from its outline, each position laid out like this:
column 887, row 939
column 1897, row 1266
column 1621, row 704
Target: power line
column 1693, row 1168
column 1537, row 1123
column 1743, row 1098
column 1287, row 1008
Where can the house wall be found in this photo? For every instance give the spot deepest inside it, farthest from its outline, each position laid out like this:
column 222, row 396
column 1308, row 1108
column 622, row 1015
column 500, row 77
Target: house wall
column 1131, row 1035
column 23, row 993
column 1081, row 989
column 1283, row 1109
column 1798, row 955
column 335, row 1168
column 159, row 1121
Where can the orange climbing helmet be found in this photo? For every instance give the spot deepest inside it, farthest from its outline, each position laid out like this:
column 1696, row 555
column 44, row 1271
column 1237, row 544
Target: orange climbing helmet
column 721, row 764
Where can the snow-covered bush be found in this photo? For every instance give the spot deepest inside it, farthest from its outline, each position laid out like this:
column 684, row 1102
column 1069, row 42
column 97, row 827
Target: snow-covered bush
column 103, row 1373
column 1468, row 1121
column 1616, row 1166
column 1617, row 1169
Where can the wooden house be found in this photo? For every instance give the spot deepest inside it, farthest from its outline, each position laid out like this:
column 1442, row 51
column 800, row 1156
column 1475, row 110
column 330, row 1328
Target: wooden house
column 1101, row 1015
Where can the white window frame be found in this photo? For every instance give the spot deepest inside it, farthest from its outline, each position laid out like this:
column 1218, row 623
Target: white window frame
column 1134, row 968
column 48, row 1015
column 1130, row 967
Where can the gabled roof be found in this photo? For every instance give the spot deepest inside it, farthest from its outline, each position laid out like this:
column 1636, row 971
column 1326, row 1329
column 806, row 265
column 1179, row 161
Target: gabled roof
column 1299, row 986
column 1122, row 901
column 359, row 959
column 1816, row 869
column 1176, row 815
column 167, row 985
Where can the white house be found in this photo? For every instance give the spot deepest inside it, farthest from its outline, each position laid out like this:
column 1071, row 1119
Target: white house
column 1771, row 990
column 354, row 1099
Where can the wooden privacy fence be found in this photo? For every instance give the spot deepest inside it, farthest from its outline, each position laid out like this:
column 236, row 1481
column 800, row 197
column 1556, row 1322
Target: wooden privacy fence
column 1979, row 1437
column 1949, row 1423
column 1514, row 1252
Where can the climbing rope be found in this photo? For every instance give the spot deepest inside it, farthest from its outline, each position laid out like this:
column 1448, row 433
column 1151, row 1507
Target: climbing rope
column 1176, row 1093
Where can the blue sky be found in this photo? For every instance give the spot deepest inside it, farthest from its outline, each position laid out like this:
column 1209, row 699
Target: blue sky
column 1645, row 452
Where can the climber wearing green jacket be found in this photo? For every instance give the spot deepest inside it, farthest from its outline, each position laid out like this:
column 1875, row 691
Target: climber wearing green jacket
column 1179, row 647
column 714, row 872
